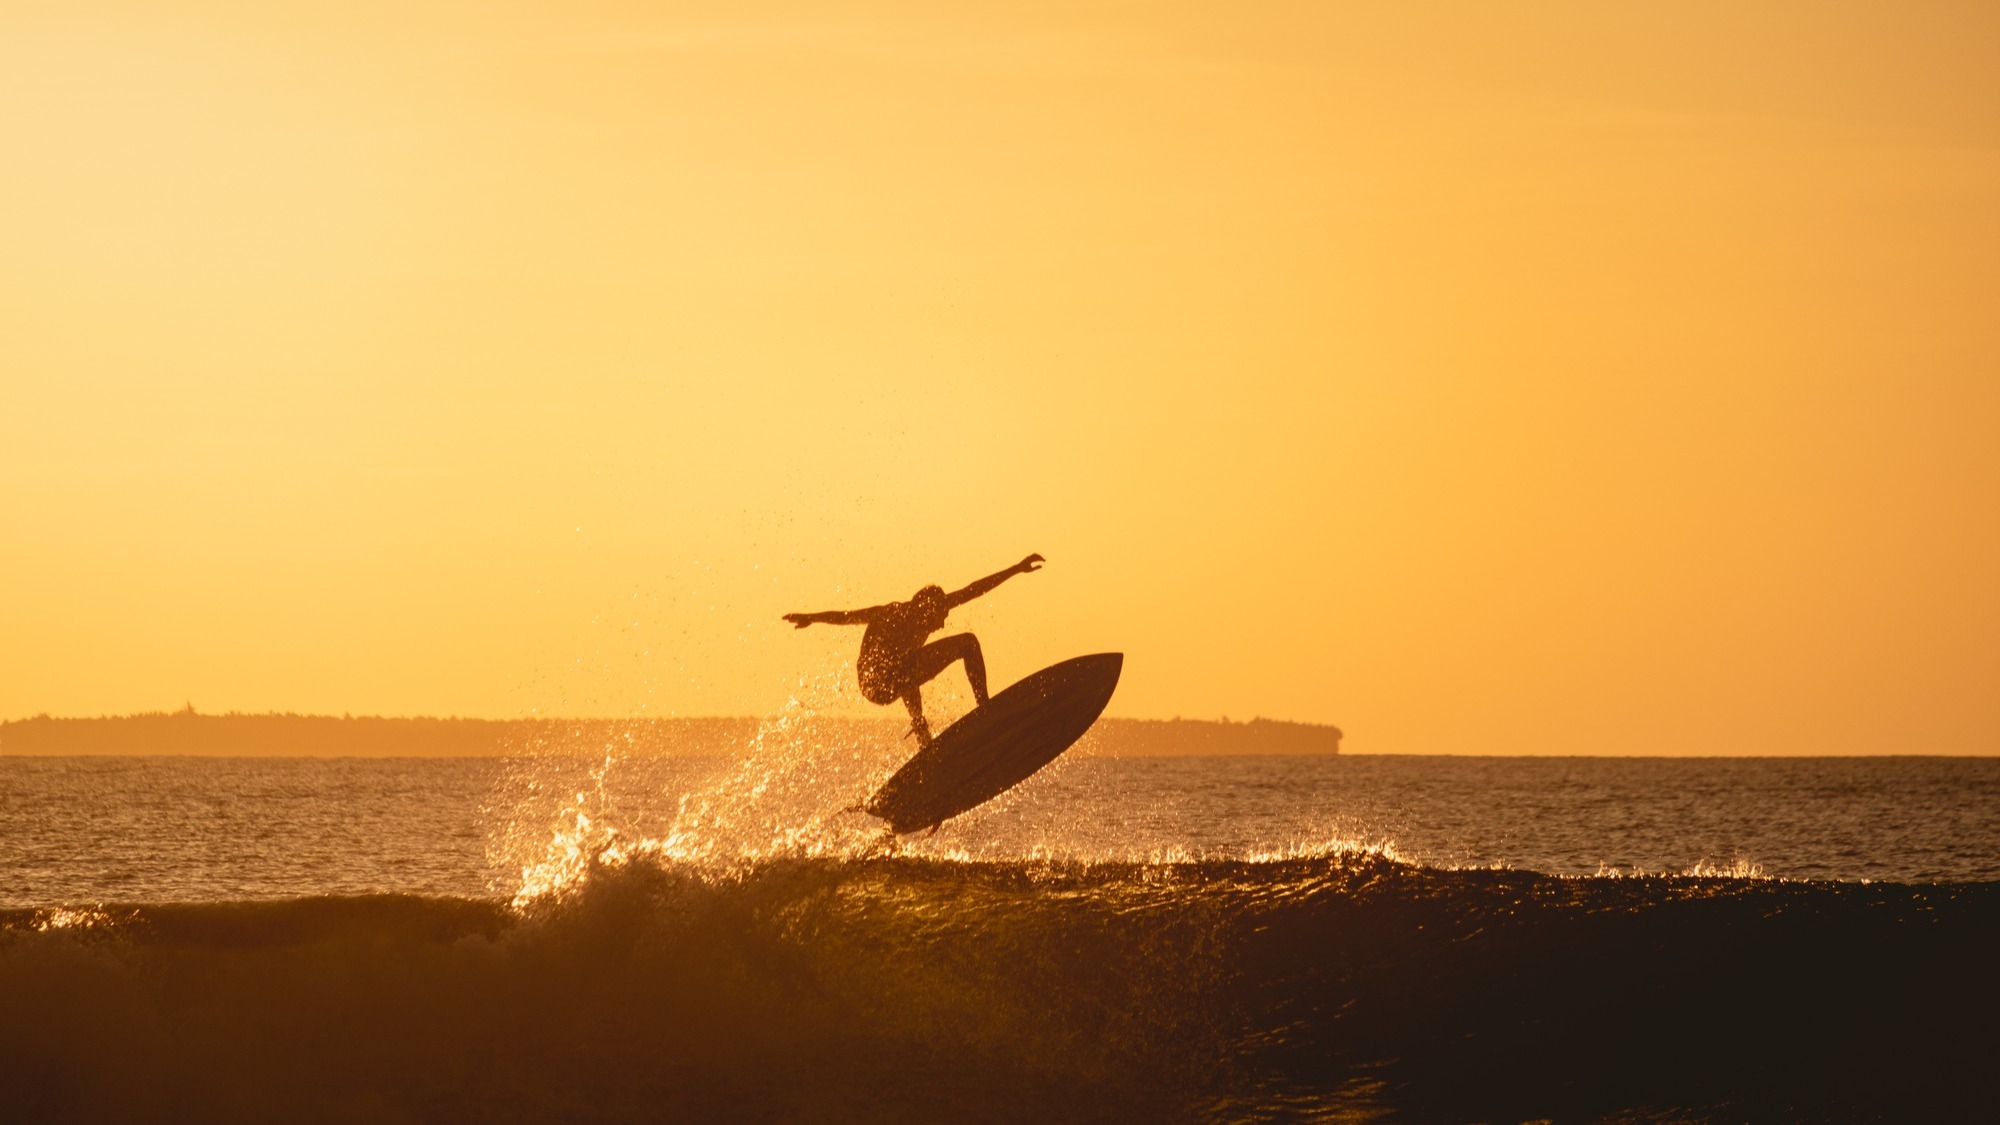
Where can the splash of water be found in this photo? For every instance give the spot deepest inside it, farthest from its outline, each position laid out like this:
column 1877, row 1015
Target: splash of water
column 1699, row 869
column 781, row 799
column 76, row 918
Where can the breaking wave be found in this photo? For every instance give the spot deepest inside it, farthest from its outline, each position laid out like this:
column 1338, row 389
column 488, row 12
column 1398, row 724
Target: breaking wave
column 1341, row 983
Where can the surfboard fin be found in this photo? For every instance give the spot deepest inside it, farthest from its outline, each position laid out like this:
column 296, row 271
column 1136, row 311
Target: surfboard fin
column 883, row 845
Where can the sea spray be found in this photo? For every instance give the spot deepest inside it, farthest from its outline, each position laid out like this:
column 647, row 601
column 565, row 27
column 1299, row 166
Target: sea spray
column 783, row 797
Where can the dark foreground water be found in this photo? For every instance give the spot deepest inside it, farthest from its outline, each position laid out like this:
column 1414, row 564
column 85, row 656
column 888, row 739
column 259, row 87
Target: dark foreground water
column 553, row 939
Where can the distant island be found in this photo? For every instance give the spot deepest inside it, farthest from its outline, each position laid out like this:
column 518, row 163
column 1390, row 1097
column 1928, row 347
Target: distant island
column 346, row 736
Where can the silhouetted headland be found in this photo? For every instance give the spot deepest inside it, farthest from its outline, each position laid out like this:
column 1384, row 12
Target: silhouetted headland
column 348, row 736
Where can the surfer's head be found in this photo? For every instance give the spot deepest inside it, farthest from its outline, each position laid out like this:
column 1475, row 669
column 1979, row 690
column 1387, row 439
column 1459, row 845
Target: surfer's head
column 930, row 602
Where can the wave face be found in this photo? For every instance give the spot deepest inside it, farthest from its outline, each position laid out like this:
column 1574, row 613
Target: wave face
column 1343, row 985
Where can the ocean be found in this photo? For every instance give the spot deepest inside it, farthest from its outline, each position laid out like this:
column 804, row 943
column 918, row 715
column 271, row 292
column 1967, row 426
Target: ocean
column 583, row 935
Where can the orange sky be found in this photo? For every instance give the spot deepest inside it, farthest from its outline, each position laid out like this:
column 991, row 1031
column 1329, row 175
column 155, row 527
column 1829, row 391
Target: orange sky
column 1538, row 378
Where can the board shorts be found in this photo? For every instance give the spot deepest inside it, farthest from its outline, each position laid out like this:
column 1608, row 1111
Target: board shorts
column 882, row 680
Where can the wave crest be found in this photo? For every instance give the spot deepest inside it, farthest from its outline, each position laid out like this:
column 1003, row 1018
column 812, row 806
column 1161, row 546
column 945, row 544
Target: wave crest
column 887, row 987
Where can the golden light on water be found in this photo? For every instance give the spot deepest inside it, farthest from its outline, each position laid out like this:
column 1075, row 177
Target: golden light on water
column 1582, row 379
column 72, row 918
column 786, row 800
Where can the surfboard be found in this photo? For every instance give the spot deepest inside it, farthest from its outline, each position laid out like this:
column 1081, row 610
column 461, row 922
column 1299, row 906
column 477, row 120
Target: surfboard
column 998, row 744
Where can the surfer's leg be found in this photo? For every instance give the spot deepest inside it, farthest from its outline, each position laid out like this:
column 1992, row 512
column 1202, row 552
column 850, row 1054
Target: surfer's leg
column 924, row 665
column 914, row 700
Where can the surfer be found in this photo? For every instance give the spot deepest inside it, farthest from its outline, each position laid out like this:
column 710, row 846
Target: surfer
column 896, row 662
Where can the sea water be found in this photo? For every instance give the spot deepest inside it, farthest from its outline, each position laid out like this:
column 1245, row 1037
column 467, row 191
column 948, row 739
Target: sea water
column 584, row 936
column 189, row 829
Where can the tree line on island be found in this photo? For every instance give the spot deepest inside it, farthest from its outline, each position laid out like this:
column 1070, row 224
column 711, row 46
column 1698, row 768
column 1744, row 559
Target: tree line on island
column 189, row 732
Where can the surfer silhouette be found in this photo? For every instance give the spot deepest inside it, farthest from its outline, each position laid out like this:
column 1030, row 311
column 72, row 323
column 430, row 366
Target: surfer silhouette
column 896, row 662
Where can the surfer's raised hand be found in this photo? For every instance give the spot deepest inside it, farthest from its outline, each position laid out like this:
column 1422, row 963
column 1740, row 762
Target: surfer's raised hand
column 1032, row 562
column 799, row 620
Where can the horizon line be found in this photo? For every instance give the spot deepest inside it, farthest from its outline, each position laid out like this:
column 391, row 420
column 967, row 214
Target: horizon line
column 191, row 712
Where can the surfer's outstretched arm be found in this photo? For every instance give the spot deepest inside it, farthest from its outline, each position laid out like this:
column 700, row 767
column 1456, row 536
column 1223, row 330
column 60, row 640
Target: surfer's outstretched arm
column 1031, row 563
column 835, row 617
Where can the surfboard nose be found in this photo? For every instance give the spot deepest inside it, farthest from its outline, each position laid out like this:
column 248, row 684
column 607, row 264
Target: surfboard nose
column 1097, row 668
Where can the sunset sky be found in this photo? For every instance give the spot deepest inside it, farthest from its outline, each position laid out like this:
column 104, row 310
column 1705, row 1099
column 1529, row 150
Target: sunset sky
column 1481, row 378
